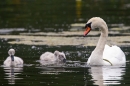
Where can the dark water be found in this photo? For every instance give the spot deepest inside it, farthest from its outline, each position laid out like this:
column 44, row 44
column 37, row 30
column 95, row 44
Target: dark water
column 73, row 73
column 17, row 16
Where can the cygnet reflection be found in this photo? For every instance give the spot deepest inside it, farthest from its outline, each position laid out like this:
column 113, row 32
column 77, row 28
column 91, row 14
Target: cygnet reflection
column 12, row 74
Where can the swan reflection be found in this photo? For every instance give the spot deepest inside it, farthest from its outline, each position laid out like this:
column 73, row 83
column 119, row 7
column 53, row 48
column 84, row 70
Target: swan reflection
column 12, row 73
column 105, row 75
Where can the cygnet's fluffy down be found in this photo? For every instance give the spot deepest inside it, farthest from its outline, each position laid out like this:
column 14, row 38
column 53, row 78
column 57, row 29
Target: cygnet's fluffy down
column 11, row 60
column 56, row 57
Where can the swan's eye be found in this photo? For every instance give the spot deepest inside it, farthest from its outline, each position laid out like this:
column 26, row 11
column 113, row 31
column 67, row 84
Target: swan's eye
column 88, row 25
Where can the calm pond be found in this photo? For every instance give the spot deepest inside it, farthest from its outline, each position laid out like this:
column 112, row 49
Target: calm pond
column 73, row 73
column 23, row 20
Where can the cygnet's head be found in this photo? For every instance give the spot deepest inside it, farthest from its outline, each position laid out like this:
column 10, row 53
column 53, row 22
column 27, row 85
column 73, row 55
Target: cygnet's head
column 60, row 55
column 11, row 53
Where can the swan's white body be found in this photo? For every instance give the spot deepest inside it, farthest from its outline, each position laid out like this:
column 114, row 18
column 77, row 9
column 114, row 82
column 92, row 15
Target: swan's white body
column 104, row 54
column 53, row 57
column 17, row 60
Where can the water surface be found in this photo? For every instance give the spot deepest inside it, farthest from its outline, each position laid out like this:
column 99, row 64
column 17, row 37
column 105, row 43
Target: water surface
column 74, row 72
column 32, row 21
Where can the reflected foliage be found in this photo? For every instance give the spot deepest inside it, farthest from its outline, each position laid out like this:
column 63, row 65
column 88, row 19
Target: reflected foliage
column 57, row 15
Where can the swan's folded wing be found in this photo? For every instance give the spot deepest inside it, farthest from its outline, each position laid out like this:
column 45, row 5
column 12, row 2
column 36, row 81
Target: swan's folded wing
column 114, row 54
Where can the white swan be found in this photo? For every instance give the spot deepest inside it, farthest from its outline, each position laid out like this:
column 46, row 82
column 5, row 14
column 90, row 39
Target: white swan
column 12, row 60
column 56, row 57
column 103, row 54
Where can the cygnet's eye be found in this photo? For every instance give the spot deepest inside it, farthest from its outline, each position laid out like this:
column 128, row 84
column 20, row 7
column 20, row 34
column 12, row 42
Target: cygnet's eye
column 61, row 57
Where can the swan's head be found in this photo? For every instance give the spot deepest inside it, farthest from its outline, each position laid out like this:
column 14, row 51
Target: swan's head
column 11, row 53
column 95, row 22
column 60, row 56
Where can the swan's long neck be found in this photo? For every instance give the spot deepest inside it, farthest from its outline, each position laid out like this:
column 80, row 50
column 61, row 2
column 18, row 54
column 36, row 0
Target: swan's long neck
column 96, row 57
column 102, row 40
column 97, row 54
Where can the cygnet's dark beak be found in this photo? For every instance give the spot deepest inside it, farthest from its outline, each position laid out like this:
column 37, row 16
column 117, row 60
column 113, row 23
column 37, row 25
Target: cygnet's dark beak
column 64, row 60
column 12, row 57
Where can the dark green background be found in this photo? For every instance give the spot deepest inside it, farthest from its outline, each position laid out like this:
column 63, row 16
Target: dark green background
column 59, row 14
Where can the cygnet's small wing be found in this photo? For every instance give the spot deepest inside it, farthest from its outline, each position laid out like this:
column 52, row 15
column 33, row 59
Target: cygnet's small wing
column 18, row 60
column 47, row 56
column 7, row 62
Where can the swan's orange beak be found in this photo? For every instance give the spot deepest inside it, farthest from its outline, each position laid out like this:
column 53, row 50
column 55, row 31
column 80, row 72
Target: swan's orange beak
column 87, row 30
